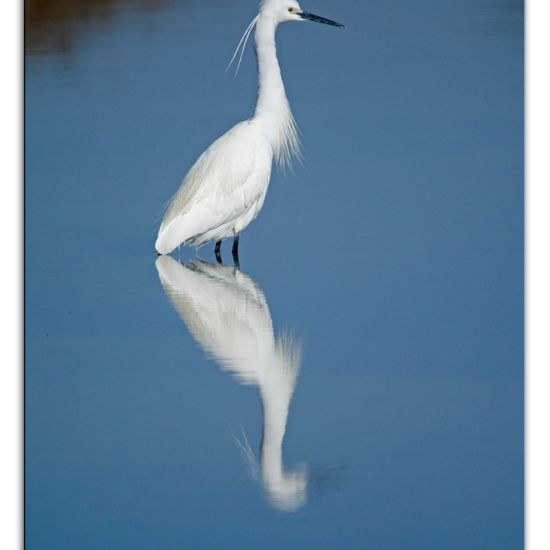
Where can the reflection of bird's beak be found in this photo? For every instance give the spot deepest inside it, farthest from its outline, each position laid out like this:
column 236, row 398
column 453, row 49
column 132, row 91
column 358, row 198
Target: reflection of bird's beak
column 317, row 19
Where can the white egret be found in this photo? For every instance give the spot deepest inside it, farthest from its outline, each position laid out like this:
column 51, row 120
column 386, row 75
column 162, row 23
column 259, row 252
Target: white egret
column 225, row 189
column 227, row 314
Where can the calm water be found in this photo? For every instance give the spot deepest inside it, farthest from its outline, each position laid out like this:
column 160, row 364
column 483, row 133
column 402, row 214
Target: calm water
column 359, row 383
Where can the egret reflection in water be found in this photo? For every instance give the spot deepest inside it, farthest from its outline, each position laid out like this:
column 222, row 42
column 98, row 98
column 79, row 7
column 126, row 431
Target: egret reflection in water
column 227, row 314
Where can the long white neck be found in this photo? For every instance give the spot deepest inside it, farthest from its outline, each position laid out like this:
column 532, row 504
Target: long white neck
column 272, row 107
column 272, row 100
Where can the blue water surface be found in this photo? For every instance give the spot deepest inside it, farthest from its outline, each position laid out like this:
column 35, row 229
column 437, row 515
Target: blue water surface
column 358, row 383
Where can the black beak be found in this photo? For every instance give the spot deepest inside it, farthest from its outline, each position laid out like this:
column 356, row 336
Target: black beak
column 317, row 19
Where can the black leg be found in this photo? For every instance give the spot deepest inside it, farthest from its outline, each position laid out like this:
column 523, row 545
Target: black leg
column 218, row 253
column 235, row 251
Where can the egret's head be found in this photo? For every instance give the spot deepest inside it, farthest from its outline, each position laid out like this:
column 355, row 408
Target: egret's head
column 289, row 10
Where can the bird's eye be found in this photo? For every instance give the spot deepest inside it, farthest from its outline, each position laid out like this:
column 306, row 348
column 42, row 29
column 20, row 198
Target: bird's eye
column 290, row 10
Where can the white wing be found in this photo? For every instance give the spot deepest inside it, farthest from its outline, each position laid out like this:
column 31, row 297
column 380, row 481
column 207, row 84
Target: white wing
column 225, row 183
